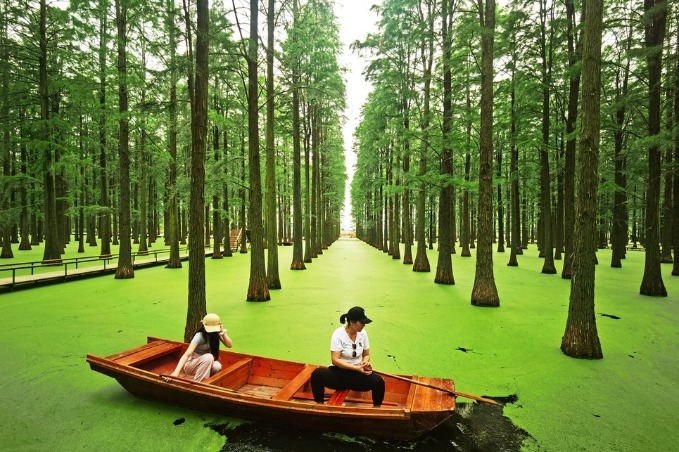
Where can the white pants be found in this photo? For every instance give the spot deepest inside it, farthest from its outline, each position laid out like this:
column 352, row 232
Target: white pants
column 202, row 366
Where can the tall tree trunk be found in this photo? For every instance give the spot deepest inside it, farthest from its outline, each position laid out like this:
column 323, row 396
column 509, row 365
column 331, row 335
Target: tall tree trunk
column 484, row 292
column 273, row 279
column 407, row 217
column 620, row 226
column 125, row 268
column 143, row 177
column 104, row 207
column 6, row 154
column 655, row 17
column 444, row 267
column 297, row 248
column 569, row 160
column 216, row 217
column 465, row 233
column 547, row 242
column 52, row 253
column 421, row 263
column 500, row 208
column 257, row 287
column 675, row 207
column 196, row 309
column 173, row 209
column 580, row 339
column 514, row 169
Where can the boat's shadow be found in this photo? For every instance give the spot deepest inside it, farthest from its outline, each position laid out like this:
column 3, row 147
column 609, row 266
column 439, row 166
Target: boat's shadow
column 474, row 427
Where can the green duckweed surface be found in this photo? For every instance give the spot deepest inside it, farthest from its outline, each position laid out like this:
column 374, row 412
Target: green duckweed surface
column 628, row 401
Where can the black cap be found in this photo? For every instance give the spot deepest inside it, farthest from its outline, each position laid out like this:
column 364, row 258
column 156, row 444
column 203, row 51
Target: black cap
column 358, row 313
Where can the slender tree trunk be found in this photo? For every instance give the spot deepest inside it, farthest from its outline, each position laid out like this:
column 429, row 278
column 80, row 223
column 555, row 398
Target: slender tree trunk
column 6, row 154
column 273, row 279
column 675, row 207
column 104, row 207
column 196, row 308
column 297, row 238
column 514, row 169
column 500, row 208
column 257, row 288
column 444, row 267
column 52, row 253
column 484, row 292
column 421, row 263
column 143, row 177
column 216, row 217
column 656, row 13
column 547, row 242
column 581, row 339
column 125, row 268
column 407, row 218
column 620, row 226
column 173, row 209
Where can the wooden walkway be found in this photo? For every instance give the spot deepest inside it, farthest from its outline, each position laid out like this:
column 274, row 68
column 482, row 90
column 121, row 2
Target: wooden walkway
column 65, row 273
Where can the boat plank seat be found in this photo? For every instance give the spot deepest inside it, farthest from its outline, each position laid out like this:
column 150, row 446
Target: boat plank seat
column 337, row 397
column 428, row 399
column 295, row 384
column 147, row 353
column 230, row 371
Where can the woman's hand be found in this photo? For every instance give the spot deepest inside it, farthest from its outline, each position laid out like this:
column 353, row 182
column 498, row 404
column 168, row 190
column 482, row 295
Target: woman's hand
column 365, row 368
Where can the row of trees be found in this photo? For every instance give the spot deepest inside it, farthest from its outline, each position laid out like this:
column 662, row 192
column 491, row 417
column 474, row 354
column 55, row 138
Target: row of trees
column 125, row 119
column 495, row 154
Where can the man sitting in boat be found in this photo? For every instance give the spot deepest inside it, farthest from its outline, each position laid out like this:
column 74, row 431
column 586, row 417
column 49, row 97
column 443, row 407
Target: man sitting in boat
column 350, row 356
column 201, row 358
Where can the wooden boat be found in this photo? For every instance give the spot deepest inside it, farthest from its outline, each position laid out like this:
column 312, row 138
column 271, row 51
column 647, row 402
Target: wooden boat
column 278, row 392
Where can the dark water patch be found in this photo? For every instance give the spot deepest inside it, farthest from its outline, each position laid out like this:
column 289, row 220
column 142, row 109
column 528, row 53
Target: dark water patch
column 512, row 398
column 475, row 427
column 179, row 421
column 614, row 317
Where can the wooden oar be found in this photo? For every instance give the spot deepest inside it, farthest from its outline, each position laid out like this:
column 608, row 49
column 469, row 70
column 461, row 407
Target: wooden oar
column 438, row 388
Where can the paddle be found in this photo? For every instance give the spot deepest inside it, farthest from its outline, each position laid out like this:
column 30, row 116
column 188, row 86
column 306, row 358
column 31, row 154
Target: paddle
column 438, row 388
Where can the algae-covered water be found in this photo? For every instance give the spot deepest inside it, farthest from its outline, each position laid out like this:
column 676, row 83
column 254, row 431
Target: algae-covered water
column 51, row 400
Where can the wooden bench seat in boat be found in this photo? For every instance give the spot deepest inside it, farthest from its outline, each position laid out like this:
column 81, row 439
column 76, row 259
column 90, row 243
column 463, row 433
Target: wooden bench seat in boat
column 236, row 373
column 146, row 353
column 295, row 384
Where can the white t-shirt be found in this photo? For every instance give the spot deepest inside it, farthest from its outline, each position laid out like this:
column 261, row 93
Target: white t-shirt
column 350, row 351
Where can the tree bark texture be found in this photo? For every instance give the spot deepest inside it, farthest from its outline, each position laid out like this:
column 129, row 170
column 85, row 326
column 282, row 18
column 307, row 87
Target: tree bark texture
column 125, row 268
column 581, row 339
column 257, row 288
column 196, row 308
column 484, row 292
column 655, row 16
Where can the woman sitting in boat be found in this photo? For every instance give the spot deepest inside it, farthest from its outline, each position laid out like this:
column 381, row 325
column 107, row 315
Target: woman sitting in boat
column 350, row 356
column 201, row 358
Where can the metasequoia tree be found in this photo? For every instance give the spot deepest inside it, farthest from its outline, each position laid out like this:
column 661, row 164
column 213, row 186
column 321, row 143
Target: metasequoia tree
column 273, row 279
column 580, row 339
column 173, row 208
column 444, row 266
column 546, row 57
column 125, row 269
column 484, row 292
column 198, row 89
column 258, row 289
column 655, row 14
column 52, row 253
column 297, row 238
column 426, row 15
column 571, row 120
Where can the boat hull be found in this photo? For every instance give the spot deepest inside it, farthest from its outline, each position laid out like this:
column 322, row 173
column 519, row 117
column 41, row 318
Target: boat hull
column 403, row 421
